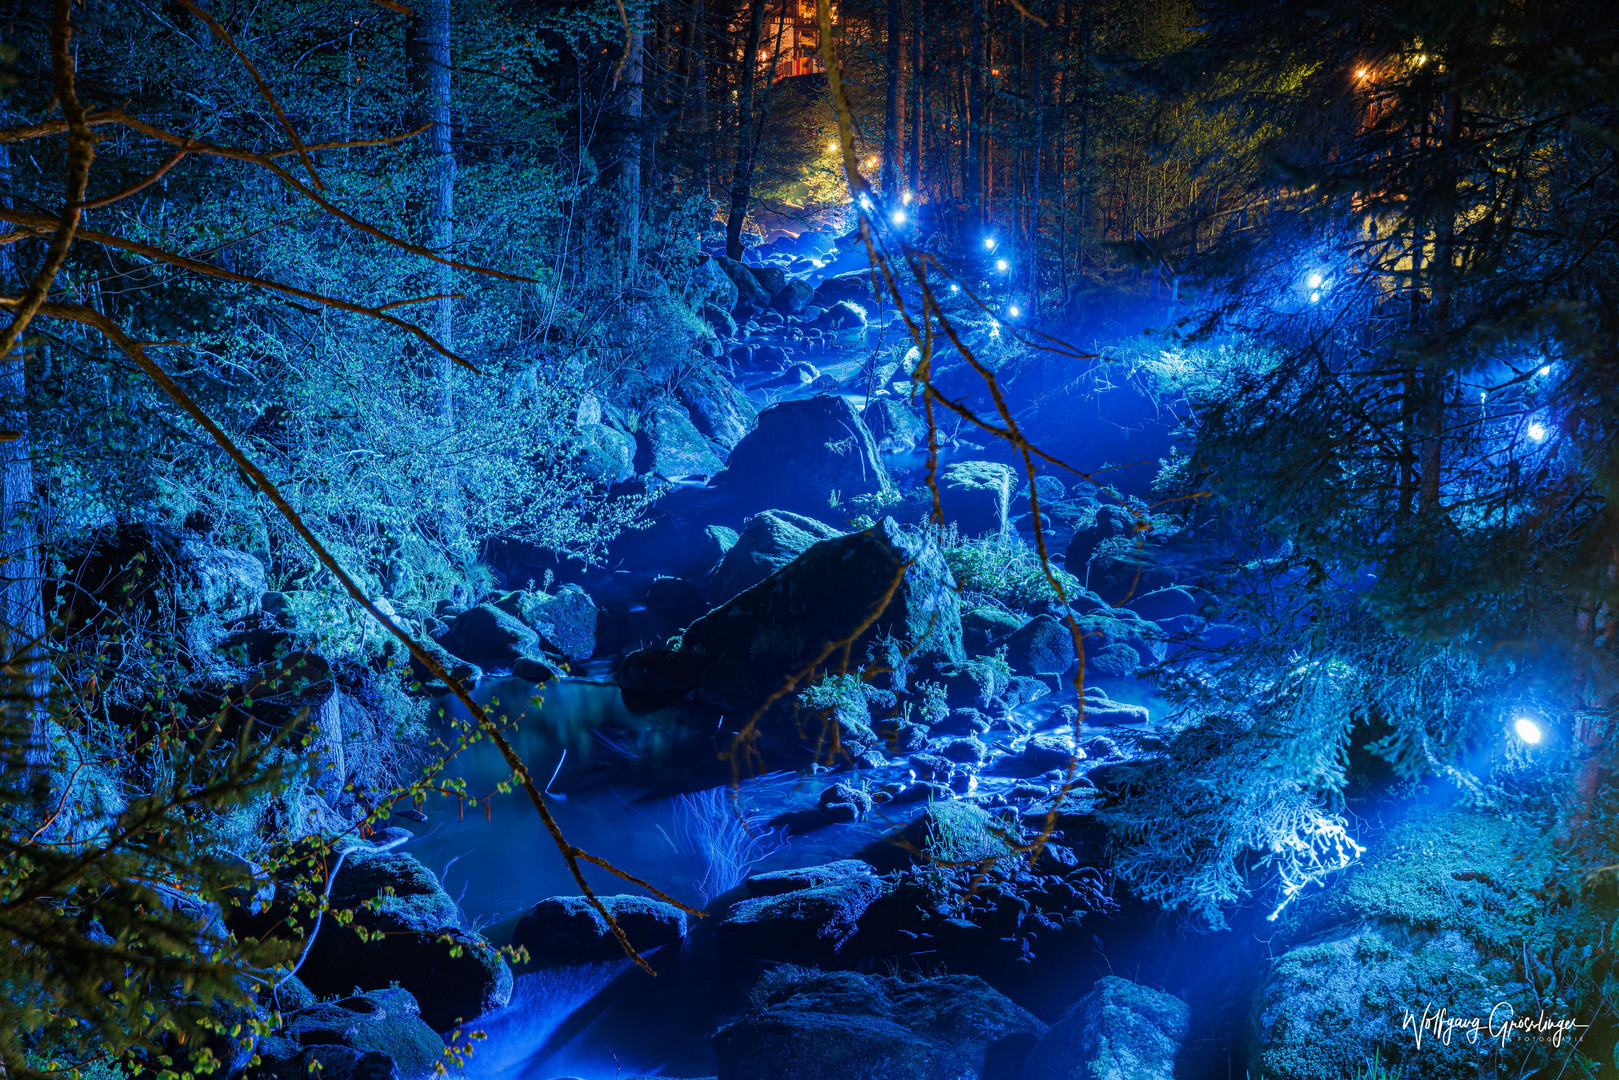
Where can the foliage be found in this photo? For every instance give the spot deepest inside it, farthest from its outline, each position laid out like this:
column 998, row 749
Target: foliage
column 1003, row 570
column 113, row 874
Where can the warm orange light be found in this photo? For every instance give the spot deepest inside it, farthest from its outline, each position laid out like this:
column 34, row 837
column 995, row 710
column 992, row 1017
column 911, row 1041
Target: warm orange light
column 1362, row 73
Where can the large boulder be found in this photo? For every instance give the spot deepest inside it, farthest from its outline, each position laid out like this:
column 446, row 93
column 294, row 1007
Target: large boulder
column 793, row 297
column 669, row 445
column 565, row 620
column 879, row 583
column 802, row 453
column 771, row 278
column 718, row 409
column 489, row 637
column 149, row 574
column 1119, row 1031
column 751, row 296
column 857, row 285
column 770, row 541
column 983, row 626
column 895, row 425
column 841, row 316
column 975, row 496
column 412, row 938
column 819, row 1025
column 379, row 1033
column 809, row 925
column 1108, row 522
column 713, row 284
column 1041, row 646
column 607, row 455
column 569, row 929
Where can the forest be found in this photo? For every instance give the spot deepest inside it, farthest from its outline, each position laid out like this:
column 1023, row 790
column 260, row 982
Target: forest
column 809, row 540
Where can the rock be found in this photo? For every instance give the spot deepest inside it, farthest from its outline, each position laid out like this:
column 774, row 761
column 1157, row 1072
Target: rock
column 811, row 925
column 962, row 722
column 490, row 637
column 792, row 297
column 801, row 373
column 840, row 317
column 960, row 834
column 418, row 944
column 718, row 409
column 776, row 882
column 1110, row 521
column 1041, row 754
column 839, row 1025
column 770, row 358
column 148, row 573
column 384, row 1023
column 894, row 425
column 608, row 454
column 535, row 670
column 1041, row 646
column 462, row 671
column 1162, row 605
column 963, row 751
column 714, row 285
column 565, row 620
column 982, row 626
column 281, row 1059
column 771, row 278
column 679, row 599
column 1105, row 712
column 719, row 320
column 1112, row 662
column 975, row 683
column 569, row 929
column 1049, row 488
column 843, row 802
column 669, row 445
column 855, row 285
column 975, row 495
column 771, row 540
column 826, row 595
column 1119, row 1031
column 751, row 296
column 661, row 670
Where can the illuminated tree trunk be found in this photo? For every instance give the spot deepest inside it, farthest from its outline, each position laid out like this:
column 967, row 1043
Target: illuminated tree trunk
column 427, row 49
column 742, row 175
column 973, row 180
column 914, row 112
column 1034, row 171
column 891, row 120
column 22, row 608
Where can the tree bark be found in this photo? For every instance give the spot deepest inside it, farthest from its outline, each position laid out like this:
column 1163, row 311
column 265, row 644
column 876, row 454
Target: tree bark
column 742, row 176
column 914, row 113
column 891, row 118
column 973, row 180
column 427, row 49
column 22, row 605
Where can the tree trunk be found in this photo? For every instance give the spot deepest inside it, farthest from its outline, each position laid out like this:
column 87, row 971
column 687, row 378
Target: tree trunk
column 891, row 119
column 914, row 113
column 742, row 176
column 427, row 48
column 973, row 180
column 22, row 605
column 625, row 143
column 1034, row 171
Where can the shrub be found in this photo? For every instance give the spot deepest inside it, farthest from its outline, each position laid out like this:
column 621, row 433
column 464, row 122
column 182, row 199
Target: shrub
column 1004, row 570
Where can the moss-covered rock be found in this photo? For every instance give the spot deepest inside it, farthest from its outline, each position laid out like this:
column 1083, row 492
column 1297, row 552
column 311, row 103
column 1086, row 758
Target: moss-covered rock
column 1119, row 1031
column 569, row 929
column 815, row 1025
column 1456, row 911
column 802, row 455
column 975, row 496
column 771, row 540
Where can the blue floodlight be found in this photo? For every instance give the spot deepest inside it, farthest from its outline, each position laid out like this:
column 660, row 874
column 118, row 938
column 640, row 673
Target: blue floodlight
column 1527, row 730
column 1013, row 311
column 898, row 217
column 1537, row 431
column 1001, row 265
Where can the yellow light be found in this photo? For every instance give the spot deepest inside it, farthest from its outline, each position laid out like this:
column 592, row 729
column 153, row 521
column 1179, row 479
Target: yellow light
column 1362, row 73
column 833, row 145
